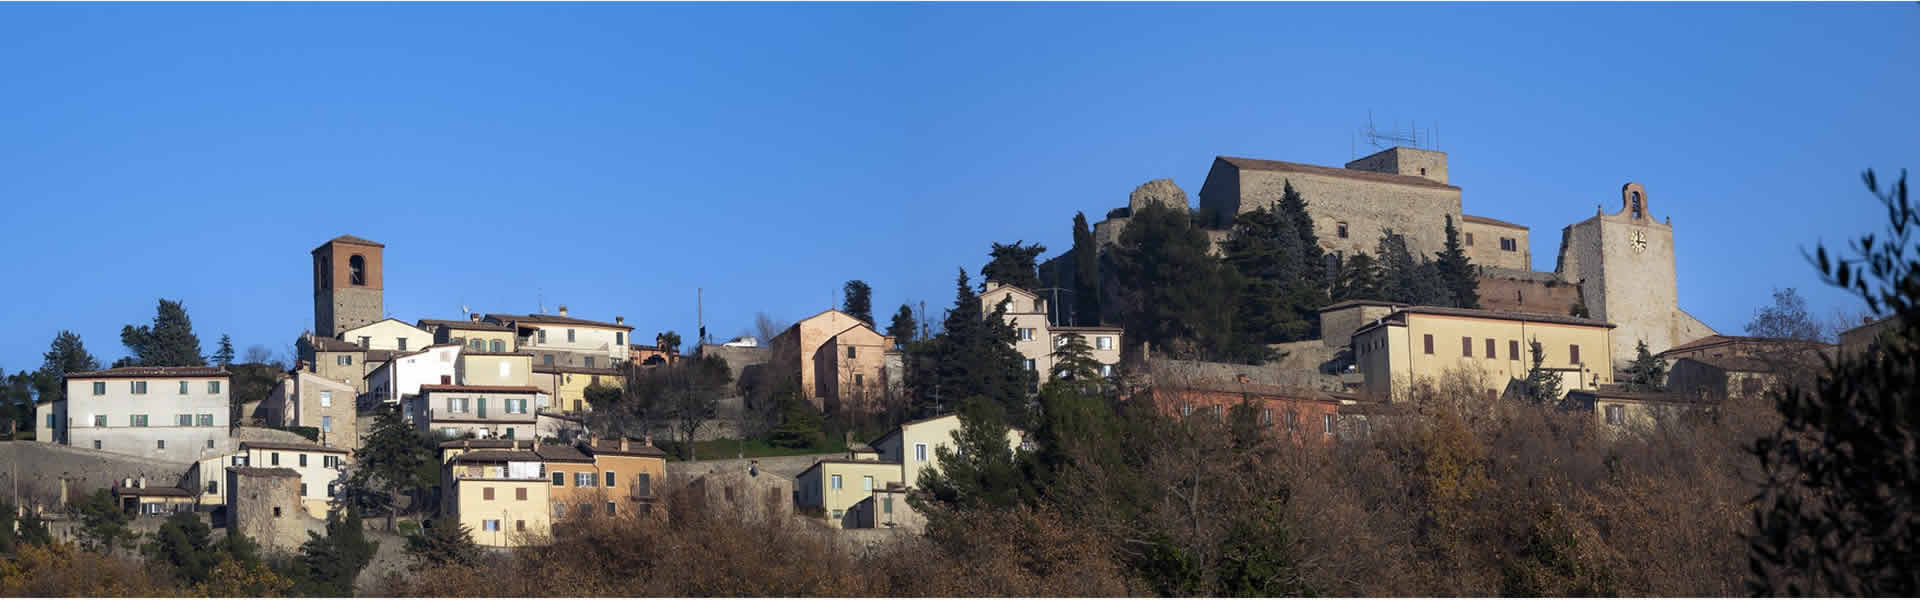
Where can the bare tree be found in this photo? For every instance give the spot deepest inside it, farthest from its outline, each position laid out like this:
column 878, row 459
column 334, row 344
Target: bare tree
column 258, row 354
column 768, row 327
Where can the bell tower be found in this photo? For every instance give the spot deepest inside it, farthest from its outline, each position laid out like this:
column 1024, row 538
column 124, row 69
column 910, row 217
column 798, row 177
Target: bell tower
column 347, row 285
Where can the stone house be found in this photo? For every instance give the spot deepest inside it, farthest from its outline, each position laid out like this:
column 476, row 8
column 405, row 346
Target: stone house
column 306, row 399
column 750, row 494
column 265, row 506
column 835, row 358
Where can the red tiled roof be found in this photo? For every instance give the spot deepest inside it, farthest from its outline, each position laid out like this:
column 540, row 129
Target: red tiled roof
column 435, row 387
column 555, row 319
column 358, row 241
column 152, row 372
column 1487, row 221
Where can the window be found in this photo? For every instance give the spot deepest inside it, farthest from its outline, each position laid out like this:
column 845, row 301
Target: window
column 183, row 420
column 139, row 387
column 213, row 487
column 209, row 444
column 546, row 359
column 1293, row 420
column 183, row 388
column 1429, row 343
column 1491, row 351
column 96, row 444
column 588, row 361
column 274, row 459
column 559, row 479
column 357, row 270
column 205, row 419
column 490, row 524
column 1266, row 417
column 478, row 345
column 1573, row 353
column 330, row 461
column 1513, row 349
column 866, row 483
column 1636, row 205
column 1342, row 226
column 240, row 461
column 401, row 343
column 343, row 360
column 450, row 432
column 1026, row 334
column 366, row 342
column 326, row 399
column 1423, row 171
column 161, row 444
column 303, row 459
column 920, row 452
column 99, row 388
column 859, row 379
column 497, row 346
column 456, row 405
column 510, row 433
column 1104, row 342
column 609, row 481
column 886, row 505
column 1466, row 347
column 137, row 420
column 541, row 335
column 1106, row 370
column 519, row 525
column 587, row 479
column 1469, row 238
column 1509, row 244
column 303, row 490
column 1326, row 421
column 480, row 408
column 276, row 512
column 643, row 482
column 1032, row 366
column 1616, row 414
column 569, row 336
column 1186, row 410
column 486, row 493
column 836, row 482
column 619, row 338
column 213, row 387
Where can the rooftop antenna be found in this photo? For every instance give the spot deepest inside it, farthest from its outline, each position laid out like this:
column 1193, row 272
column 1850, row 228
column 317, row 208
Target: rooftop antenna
column 541, row 299
column 1388, row 138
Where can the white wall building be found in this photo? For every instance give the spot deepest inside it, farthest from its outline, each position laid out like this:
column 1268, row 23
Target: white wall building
column 175, row 414
column 573, row 342
column 403, row 376
column 389, row 334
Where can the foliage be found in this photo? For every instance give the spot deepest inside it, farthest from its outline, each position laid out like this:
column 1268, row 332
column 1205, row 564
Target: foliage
column 103, row 526
column 684, row 393
column 1086, row 273
column 601, row 394
column 232, row 578
column 1646, row 373
column 801, row 425
column 329, row 564
column 1013, row 264
column 1542, row 385
column 1786, row 319
column 168, row 342
column 1456, row 271
column 972, row 356
column 1579, row 309
column 250, row 382
column 1073, row 360
column 979, row 472
column 1359, row 279
column 1167, row 291
column 903, row 327
column 66, row 354
column 858, row 301
column 61, row 570
column 9, row 537
column 444, row 541
column 1837, row 516
column 33, row 530
column 224, row 355
column 1403, row 278
column 668, row 342
column 391, row 459
column 1277, row 298
column 185, row 543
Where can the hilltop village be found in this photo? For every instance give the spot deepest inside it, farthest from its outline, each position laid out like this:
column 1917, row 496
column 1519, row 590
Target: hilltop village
column 536, row 420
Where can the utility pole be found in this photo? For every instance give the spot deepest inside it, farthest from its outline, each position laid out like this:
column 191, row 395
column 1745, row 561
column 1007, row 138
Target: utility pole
column 700, row 315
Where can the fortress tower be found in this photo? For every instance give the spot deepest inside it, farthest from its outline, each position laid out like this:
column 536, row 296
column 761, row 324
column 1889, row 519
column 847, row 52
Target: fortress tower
column 346, row 285
column 1623, row 265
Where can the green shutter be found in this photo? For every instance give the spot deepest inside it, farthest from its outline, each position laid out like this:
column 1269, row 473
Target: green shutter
column 481, row 409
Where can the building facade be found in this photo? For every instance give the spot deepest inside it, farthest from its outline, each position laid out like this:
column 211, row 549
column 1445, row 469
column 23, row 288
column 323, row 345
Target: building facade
column 1422, row 343
column 388, row 334
column 477, row 335
column 306, row 399
column 572, row 341
column 395, row 380
column 176, row 414
column 814, row 353
column 1623, row 264
column 348, row 291
column 1036, row 338
column 483, row 411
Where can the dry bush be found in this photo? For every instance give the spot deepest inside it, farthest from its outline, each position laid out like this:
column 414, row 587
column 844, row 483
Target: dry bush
column 1020, row 552
column 63, row 570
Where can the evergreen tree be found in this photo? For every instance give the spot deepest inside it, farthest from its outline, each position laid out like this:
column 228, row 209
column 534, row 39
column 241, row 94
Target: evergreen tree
column 390, row 460
column 1457, row 272
column 1013, row 264
column 224, row 355
column 185, row 543
column 1266, row 253
column 103, row 526
column 1646, row 373
column 801, row 425
column 1086, row 273
column 332, row 562
column 1579, row 309
column 903, row 327
column 668, row 342
column 443, row 542
column 1542, row 384
column 1167, row 291
column 33, row 530
column 973, row 356
column 1293, row 207
column 981, row 470
column 858, row 301
column 1430, row 285
column 168, row 342
column 1399, row 272
column 1073, row 360
column 8, row 537
column 64, row 356
column 1359, row 279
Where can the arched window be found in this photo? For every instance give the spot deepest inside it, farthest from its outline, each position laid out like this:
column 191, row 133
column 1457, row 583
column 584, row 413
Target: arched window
column 498, row 346
column 323, row 273
column 1637, row 213
column 357, row 270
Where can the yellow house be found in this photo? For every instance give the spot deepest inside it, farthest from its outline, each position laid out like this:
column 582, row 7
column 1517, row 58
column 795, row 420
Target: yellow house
column 501, row 495
column 836, row 486
column 1420, row 343
column 474, row 334
column 1618, row 412
column 914, row 444
column 631, row 472
column 567, row 385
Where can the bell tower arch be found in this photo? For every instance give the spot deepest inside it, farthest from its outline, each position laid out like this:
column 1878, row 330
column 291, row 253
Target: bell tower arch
column 347, row 286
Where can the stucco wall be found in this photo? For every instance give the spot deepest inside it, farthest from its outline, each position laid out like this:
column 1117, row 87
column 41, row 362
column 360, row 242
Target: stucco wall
column 1484, row 246
column 1533, row 295
column 162, row 404
column 42, row 466
column 387, row 334
column 1512, row 358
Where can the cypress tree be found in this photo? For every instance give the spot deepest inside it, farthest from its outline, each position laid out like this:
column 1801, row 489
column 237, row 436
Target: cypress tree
column 223, row 356
column 1457, row 271
column 1265, row 252
column 1293, row 206
column 1359, row 279
column 1086, row 271
column 168, row 342
column 859, row 301
column 1167, row 290
column 973, row 356
column 903, row 327
column 1647, row 372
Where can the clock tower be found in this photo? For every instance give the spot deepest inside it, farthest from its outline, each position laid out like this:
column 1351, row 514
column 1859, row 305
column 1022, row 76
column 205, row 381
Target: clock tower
column 1623, row 264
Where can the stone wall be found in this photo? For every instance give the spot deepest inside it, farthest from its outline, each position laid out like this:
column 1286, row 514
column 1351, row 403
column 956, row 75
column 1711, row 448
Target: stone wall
column 1366, row 207
column 338, row 310
column 787, row 466
column 265, row 505
column 1533, row 293
column 41, row 468
column 1481, row 241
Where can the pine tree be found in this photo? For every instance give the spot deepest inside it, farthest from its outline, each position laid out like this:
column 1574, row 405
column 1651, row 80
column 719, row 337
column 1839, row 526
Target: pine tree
column 444, row 542
column 1399, row 272
column 1086, row 271
column 1266, row 253
column 1646, row 373
column 1542, row 384
column 332, row 562
column 1293, row 206
column 981, row 471
column 186, row 543
column 1073, row 360
column 1167, row 291
column 973, row 356
column 1359, row 279
column 1457, row 272
column 224, row 355
column 859, row 301
column 1430, row 285
column 64, row 356
column 903, row 327
column 1013, row 264
column 389, row 461
column 168, row 342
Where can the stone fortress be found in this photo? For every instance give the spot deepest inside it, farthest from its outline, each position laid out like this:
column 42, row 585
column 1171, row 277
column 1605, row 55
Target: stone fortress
column 1620, row 266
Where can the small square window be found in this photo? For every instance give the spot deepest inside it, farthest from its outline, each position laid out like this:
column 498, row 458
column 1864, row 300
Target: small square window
column 213, row 387
column 161, row 444
column 1342, row 226
column 850, row 352
column 183, row 388
column 570, row 336
column 99, row 388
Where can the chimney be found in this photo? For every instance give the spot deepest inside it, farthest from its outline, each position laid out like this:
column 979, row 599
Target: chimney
column 63, row 491
column 466, row 444
column 536, row 444
column 753, row 468
column 563, row 310
column 619, row 320
column 475, row 317
column 623, row 443
column 143, row 483
column 648, row 438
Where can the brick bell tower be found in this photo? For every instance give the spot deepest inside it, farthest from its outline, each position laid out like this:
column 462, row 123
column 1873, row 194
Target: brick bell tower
column 347, row 289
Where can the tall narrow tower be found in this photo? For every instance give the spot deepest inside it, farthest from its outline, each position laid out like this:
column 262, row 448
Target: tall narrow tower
column 1623, row 263
column 346, row 285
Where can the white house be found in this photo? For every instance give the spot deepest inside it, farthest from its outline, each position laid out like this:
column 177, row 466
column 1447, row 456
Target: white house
column 570, row 341
column 175, row 414
column 403, row 376
column 389, row 334
column 322, row 469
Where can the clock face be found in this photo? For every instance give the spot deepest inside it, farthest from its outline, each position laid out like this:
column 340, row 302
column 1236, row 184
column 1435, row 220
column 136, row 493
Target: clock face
column 1638, row 241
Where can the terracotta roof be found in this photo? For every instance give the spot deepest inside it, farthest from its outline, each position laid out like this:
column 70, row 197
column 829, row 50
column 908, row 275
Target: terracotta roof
column 1487, row 221
column 525, row 353
column 634, row 448
column 498, row 456
column 464, row 324
column 495, row 443
column 327, row 344
column 348, row 239
column 435, row 387
column 264, row 471
column 1724, row 340
column 562, row 453
column 1352, row 303
column 292, row 446
column 1731, row 363
column 151, row 372
column 556, row 319
column 1255, row 164
column 152, row 491
column 379, row 355
column 540, row 368
column 1399, row 317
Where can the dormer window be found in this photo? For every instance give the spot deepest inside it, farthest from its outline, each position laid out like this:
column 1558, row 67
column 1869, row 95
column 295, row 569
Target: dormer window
column 357, row 270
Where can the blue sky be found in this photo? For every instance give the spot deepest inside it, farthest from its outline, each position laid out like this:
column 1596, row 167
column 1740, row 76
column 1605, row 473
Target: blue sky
column 616, row 157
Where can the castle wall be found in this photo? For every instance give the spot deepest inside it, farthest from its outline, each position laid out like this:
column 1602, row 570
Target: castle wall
column 1405, row 161
column 1545, row 295
column 1366, row 207
column 1625, row 283
column 1482, row 243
